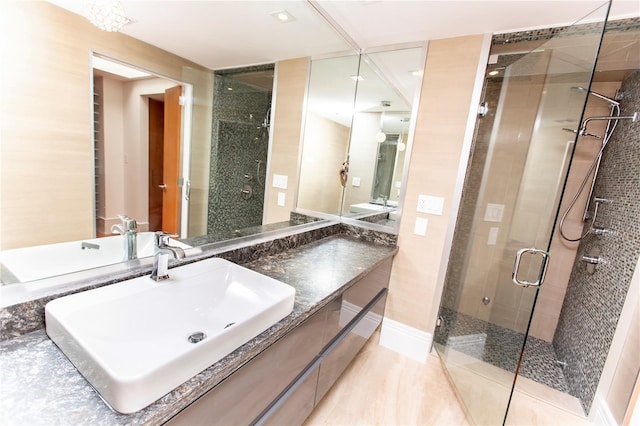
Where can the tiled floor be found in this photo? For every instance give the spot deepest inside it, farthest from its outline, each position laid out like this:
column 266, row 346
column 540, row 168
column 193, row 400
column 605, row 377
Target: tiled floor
column 382, row 387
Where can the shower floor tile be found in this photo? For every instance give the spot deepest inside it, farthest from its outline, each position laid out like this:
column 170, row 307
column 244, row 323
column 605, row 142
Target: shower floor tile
column 501, row 347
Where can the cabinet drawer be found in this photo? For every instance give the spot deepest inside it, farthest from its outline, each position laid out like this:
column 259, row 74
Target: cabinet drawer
column 341, row 352
column 345, row 308
column 295, row 407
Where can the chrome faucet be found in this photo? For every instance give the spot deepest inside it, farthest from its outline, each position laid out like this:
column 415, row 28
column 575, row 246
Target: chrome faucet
column 162, row 251
column 129, row 230
column 384, row 200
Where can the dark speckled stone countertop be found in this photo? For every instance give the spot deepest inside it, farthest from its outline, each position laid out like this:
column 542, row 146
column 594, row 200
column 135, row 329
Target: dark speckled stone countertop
column 38, row 385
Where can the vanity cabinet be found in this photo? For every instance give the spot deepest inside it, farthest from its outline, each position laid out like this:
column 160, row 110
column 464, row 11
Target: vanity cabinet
column 243, row 396
column 287, row 380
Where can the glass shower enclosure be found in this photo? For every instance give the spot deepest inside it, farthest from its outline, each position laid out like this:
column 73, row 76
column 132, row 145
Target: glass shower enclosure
column 513, row 188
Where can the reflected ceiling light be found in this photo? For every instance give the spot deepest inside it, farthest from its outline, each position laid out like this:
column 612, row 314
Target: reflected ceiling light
column 494, row 72
column 283, row 16
column 117, row 68
column 357, row 78
column 108, row 15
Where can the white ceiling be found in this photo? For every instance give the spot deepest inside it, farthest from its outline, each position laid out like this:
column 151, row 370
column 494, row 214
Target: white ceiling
column 223, row 34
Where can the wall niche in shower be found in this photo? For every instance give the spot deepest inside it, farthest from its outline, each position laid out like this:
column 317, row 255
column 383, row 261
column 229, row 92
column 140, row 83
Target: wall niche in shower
column 239, row 149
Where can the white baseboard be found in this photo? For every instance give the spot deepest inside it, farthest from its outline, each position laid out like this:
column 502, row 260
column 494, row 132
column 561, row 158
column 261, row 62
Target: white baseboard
column 405, row 340
column 602, row 414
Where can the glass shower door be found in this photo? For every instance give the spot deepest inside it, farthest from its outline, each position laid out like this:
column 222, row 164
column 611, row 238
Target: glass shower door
column 508, row 212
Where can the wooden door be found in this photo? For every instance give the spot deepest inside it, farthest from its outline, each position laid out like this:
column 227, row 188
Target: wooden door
column 171, row 160
column 156, row 153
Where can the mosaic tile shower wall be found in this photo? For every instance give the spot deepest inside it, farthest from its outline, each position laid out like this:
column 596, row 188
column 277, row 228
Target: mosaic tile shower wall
column 240, row 142
column 593, row 303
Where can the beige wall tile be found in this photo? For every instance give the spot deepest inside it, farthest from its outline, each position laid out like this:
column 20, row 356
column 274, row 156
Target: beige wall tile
column 47, row 134
column 325, row 148
column 287, row 132
column 449, row 77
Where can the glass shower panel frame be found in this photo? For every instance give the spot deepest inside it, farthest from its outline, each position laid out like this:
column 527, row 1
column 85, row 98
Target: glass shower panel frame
column 513, row 188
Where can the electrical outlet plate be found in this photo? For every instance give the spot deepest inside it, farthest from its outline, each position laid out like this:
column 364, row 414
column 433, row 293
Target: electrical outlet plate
column 420, row 227
column 492, row 239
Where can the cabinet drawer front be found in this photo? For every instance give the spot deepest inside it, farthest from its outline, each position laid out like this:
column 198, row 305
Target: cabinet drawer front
column 297, row 406
column 345, row 308
column 342, row 351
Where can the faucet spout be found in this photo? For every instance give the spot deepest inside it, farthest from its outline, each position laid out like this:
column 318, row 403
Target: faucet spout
column 162, row 252
column 129, row 231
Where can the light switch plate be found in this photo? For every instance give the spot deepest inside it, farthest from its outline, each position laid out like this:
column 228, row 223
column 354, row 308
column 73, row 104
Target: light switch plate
column 355, row 181
column 280, row 181
column 420, row 227
column 430, row 204
column 493, row 212
column 281, row 198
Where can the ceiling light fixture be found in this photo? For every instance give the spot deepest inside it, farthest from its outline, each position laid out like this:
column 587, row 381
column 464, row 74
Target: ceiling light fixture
column 108, row 15
column 494, row 72
column 357, row 78
column 283, row 16
column 417, row 73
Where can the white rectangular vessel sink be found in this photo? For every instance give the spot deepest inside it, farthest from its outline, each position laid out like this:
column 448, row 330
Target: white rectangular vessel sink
column 137, row 340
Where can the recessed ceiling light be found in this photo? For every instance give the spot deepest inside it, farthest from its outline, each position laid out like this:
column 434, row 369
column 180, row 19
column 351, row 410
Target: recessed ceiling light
column 229, row 88
column 283, row 16
column 417, row 73
column 357, row 78
column 494, row 72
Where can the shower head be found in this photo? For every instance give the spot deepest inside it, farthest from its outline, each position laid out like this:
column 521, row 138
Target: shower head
column 613, row 102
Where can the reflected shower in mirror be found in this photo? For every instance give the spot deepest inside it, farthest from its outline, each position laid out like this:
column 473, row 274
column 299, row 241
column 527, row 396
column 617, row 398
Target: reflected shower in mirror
column 381, row 136
column 368, row 125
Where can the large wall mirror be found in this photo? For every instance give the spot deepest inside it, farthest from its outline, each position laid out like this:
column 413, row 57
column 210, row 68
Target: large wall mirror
column 358, row 132
column 78, row 143
column 76, row 149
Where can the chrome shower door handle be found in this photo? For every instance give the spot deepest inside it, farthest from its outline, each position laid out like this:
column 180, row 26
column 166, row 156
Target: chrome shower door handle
column 543, row 267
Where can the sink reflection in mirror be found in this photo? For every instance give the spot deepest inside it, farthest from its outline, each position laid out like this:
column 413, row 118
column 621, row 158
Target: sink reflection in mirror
column 125, row 340
column 50, row 260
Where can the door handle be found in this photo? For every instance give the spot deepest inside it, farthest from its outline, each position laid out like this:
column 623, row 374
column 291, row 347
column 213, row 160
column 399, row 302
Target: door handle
column 162, row 186
column 543, row 267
